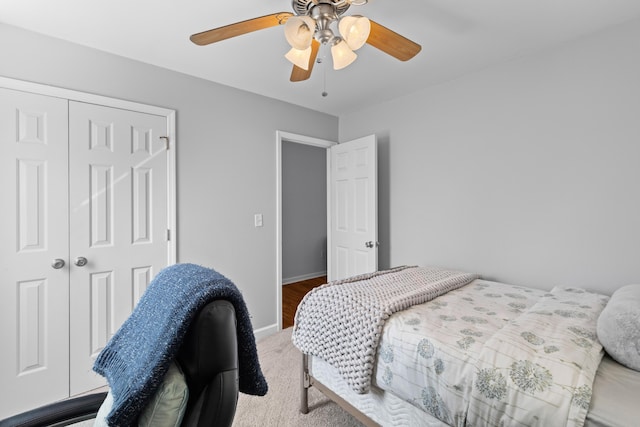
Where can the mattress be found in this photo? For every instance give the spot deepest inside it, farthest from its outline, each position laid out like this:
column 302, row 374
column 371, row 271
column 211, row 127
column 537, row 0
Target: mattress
column 383, row 407
column 614, row 402
column 616, row 396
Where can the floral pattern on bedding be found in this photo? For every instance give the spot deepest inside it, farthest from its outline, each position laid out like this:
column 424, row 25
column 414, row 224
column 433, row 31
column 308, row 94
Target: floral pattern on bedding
column 495, row 354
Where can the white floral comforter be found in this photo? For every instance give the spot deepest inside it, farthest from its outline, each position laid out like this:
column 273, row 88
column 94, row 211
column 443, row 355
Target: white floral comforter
column 341, row 321
column 495, row 354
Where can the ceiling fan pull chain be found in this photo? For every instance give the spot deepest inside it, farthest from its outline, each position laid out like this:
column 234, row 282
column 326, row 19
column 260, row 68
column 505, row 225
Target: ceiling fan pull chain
column 324, row 78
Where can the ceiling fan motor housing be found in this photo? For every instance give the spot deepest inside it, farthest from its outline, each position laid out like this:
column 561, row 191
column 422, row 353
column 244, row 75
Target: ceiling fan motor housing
column 303, row 7
column 324, row 13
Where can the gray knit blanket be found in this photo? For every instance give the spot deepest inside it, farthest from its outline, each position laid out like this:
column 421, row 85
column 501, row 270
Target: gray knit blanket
column 137, row 357
column 341, row 322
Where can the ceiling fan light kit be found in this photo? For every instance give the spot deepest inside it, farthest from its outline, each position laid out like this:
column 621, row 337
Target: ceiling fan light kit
column 354, row 30
column 299, row 30
column 299, row 58
column 311, row 26
column 341, row 54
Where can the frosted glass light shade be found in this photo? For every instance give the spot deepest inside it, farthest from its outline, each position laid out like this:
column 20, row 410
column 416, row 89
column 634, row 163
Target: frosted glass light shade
column 299, row 31
column 354, row 30
column 342, row 55
column 299, row 58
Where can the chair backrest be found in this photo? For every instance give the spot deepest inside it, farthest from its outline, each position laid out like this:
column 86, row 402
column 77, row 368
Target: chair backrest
column 209, row 360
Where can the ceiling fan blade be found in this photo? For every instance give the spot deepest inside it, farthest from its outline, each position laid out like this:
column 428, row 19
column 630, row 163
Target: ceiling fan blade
column 239, row 28
column 299, row 74
column 392, row 43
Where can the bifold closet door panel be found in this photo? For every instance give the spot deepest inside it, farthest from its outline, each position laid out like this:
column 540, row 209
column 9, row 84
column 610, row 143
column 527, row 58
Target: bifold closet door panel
column 34, row 247
column 119, row 220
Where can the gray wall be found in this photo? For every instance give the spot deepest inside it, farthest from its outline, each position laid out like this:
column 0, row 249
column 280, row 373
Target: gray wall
column 304, row 211
column 527, row 172
column 226, row 152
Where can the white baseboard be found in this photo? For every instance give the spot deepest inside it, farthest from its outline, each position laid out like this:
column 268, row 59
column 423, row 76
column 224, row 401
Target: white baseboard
column 294, row 279
column 266, row 331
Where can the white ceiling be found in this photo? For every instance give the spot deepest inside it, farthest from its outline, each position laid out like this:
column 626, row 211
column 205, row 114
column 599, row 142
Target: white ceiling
column 457, row 36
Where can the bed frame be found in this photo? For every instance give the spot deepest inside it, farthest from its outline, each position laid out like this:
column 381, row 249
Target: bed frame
column 309, row 381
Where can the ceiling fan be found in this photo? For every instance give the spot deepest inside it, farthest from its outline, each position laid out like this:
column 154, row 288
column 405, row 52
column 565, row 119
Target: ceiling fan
column 311, row 26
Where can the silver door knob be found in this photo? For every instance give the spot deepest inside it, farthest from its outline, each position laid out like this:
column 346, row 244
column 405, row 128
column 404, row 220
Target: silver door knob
column 371, row 244
column 80, row 261
column 57, row 263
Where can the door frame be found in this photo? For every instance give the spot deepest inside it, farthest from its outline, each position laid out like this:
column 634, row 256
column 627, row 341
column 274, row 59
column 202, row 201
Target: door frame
column 170, row 116
column 282, row 136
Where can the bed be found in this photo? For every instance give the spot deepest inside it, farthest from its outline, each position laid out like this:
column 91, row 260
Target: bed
column 431, row 347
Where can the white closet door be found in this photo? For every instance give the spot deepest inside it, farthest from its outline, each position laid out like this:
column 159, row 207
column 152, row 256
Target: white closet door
column 34, row 296
column 118, row 211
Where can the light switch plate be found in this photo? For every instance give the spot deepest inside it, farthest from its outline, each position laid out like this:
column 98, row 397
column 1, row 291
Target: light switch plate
column 257, row 220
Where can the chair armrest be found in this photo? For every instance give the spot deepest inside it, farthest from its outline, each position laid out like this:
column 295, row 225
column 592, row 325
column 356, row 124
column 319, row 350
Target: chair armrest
column 60, row 413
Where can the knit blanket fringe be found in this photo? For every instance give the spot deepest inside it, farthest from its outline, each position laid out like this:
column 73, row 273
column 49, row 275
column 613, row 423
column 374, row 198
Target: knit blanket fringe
column 137, row 357
column 342, row 321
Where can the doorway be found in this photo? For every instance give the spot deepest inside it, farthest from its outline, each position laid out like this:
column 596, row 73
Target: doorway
column 304, row 212
column 288, row 270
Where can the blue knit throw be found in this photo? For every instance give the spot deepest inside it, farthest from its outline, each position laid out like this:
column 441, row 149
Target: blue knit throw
column 137, row 357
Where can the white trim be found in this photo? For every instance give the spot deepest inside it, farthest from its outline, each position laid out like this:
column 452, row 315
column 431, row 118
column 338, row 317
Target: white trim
column 266, row 331
column 329, row 222
column 73, row 95
column 294, row 279
column 300, row 139
column 89, row 98
column 172, row 177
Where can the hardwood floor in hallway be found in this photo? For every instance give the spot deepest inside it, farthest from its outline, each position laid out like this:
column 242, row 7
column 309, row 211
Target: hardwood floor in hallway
column 293, row 293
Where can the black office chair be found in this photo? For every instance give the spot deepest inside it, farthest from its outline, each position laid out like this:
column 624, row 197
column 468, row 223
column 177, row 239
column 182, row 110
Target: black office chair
column 208, row 357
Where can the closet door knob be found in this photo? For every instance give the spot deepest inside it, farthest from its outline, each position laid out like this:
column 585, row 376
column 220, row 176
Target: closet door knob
column 57, row 263
column 81, row 261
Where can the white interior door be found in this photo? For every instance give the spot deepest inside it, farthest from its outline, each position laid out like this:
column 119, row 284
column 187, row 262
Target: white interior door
column 119, row 216
column 353, row 208
column 34, row 296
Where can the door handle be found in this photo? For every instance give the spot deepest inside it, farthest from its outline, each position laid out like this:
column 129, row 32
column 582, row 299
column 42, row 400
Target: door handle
column 370, row 244
column 80, row 261
column 57, row 263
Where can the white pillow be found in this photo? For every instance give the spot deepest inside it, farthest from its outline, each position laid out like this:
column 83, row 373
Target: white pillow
column 619, row 326
column 105, row 408
column 167, row 406
column 165, row 409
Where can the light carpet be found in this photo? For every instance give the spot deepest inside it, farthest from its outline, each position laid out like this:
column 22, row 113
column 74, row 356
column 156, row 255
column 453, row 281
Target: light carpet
column 281, row 365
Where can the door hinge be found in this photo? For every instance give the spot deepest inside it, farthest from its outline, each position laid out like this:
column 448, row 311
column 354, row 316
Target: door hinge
column 166, row 141
column 168, row 234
